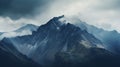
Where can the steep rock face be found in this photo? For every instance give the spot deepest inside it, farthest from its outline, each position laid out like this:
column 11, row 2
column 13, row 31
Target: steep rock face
column 58, row 41
column 10, row 57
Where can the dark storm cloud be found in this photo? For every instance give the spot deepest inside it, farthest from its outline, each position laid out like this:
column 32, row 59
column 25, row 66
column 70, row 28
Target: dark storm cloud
column 20, row 8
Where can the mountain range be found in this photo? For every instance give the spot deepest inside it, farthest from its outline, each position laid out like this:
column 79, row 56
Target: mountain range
column 59, row 44
column 111, row 39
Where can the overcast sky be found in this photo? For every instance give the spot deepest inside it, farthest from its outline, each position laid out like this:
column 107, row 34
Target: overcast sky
column 101, row 13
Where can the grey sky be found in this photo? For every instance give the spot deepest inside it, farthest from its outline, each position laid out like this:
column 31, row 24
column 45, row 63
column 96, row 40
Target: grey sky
column 101, row 13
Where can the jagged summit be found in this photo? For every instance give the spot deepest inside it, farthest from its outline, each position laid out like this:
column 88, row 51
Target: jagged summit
column 56, row 19
column 59, row 17
column 55, row 22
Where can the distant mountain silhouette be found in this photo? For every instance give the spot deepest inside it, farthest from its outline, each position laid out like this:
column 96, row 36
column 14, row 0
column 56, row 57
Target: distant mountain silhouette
column 22, row 31
column 30, row 27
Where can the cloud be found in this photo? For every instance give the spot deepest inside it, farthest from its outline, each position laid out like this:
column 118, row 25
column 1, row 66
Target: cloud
column 8, row 25
column 16, row 9
column 14, row 34
column 110, row 4
column 103, row 14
